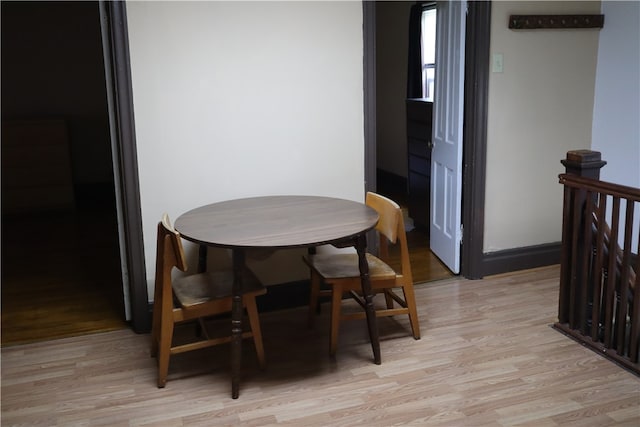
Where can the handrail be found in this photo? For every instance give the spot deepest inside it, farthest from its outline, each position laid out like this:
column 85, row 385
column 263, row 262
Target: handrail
column 610, row 188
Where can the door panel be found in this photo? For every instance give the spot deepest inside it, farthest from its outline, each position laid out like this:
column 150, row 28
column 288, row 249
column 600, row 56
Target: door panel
column 446, row 158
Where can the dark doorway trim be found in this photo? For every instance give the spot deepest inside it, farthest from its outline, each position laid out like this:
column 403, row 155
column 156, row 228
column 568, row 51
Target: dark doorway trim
column 474, row 159
column 115, row 40
column 370, row 94
column 370, row 113
column 475, row 126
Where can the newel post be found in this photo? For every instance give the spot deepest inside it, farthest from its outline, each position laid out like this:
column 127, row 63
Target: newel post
column 573, row 267
column 584, row 163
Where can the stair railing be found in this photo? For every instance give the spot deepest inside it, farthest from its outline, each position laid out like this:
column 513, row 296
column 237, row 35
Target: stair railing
column 598, row 302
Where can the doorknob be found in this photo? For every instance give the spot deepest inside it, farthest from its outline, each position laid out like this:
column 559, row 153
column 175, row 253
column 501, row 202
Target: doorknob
column 430, row 145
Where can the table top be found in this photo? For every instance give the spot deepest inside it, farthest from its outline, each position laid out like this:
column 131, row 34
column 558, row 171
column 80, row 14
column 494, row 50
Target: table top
column 276, row 222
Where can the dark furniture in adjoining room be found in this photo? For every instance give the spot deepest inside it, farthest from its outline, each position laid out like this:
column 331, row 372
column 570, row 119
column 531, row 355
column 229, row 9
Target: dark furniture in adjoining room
column 419, row 146
column 36, row 167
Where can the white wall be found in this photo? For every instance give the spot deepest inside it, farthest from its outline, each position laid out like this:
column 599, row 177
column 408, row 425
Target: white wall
column 236, row 99
column 540, row 107
column 616, row 112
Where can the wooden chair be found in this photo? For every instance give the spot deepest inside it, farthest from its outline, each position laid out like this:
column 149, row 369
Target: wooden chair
column 340, row 272
column 194, row 297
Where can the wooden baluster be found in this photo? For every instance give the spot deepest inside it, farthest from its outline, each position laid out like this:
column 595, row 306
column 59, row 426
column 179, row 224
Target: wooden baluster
column 597, row 270
column 635, row 315
column 585, row 301
column 612, row 277
column 624, row 279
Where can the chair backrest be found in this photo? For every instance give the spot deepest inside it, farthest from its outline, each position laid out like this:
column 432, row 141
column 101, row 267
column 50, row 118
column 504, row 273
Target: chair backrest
column 391, row 230
column 169, row 253
column 389, row 212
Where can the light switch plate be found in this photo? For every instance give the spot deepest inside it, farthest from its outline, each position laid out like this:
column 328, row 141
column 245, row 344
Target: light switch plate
column 496, row 63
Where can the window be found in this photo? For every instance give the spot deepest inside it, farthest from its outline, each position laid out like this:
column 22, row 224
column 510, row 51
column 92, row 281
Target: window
column 428, row 42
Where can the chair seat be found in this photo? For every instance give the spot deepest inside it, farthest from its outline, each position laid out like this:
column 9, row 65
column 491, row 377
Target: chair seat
column 342, row 273
column 343, row 266
column 200, row 288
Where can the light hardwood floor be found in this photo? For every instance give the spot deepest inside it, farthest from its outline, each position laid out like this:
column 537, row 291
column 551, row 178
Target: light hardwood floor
column 487, row 357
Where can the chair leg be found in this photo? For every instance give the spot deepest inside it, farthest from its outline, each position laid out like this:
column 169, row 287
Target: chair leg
column 254, row 322
column 313, row 299
column 410, row 299
column 154, row 341
column 164, row 351
column 388, row 299
column 336, row 301
column 155, row 327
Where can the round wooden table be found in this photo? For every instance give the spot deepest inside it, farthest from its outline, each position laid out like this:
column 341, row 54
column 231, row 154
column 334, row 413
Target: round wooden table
column 280, row 222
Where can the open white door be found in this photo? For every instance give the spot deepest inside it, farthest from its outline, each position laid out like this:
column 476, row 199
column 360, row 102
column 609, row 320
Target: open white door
column 446, row 157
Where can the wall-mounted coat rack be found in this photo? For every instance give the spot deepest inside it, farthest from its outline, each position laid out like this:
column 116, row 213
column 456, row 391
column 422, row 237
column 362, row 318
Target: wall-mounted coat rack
column 534, row 22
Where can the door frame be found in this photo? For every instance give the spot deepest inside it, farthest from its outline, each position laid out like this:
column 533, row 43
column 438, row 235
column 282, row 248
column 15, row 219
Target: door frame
column 474, row 149
column 113, row 23
column 478, row 30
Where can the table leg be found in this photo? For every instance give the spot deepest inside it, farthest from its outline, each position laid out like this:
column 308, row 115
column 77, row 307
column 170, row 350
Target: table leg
column 202, row 258
column 367, row 293
column 236, row 322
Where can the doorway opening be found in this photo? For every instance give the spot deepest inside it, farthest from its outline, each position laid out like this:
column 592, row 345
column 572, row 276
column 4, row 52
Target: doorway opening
column 476, row 83
column 61, row 270
column 402, row 166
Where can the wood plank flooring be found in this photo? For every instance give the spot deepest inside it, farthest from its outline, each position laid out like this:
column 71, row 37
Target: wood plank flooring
column 487, row 357
column 61, row 275
column 425, row 266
